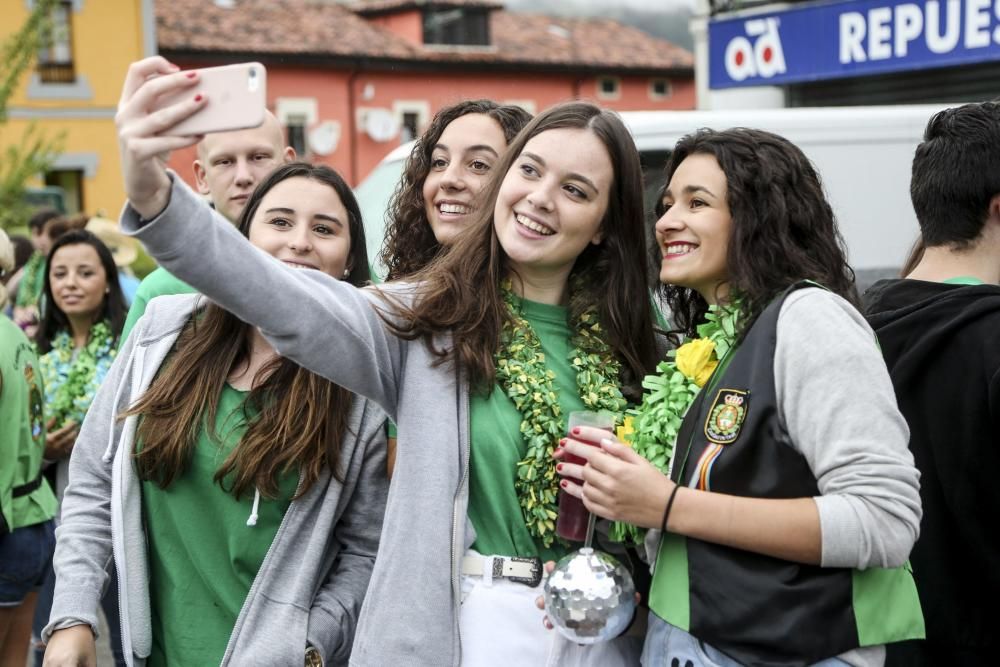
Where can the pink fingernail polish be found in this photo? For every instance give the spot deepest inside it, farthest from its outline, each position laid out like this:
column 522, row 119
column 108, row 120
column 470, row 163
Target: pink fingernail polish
column 198, row 98
column 191, row 75
column 576, row 430
column 559, row 467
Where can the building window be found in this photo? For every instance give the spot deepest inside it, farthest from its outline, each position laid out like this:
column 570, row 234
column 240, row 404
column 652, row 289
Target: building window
column 411, row 118
column 295, row 125
column 71, row 182
column 409, row 128
column 609, row 88
column 55, row 58
column 457, row 27
column 659, row 89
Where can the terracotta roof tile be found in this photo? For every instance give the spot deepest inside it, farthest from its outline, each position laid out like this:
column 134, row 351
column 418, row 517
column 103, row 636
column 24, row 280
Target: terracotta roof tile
column 315, row 28
column 379, row 6
column 591, row 42
column 274, row 26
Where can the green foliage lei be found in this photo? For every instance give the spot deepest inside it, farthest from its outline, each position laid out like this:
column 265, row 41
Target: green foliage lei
column 652, row 427
column 521, row 371
column 32, row 280
column 63, row 406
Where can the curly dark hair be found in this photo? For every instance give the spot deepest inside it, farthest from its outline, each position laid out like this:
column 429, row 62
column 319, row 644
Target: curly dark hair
column 784, row 230
column 409, row 244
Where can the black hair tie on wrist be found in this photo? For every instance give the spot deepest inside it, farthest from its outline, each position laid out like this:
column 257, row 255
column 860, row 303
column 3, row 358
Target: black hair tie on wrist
column 670, row 503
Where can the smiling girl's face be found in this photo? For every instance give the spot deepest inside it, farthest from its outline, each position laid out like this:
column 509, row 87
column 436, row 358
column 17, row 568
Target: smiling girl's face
column 78, row 280
column 553, row 199
column 693, row 232
column 461, row 163
column 303, row 223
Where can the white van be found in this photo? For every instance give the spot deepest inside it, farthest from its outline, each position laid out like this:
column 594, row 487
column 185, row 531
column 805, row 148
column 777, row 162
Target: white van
column 863, row 155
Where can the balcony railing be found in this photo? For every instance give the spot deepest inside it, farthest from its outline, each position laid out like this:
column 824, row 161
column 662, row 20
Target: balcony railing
column 56, row 72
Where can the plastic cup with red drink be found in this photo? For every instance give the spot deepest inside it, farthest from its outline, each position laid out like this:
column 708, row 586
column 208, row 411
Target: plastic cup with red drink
column 573, row 516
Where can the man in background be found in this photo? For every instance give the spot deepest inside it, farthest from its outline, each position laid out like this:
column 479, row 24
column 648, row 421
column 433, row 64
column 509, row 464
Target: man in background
column 939, row 328
column 228, row 168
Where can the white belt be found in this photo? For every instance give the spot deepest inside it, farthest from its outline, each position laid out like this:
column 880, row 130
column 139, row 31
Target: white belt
column 527, row 571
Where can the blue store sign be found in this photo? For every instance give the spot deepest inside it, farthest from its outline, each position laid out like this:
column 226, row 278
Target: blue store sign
column 843, row 39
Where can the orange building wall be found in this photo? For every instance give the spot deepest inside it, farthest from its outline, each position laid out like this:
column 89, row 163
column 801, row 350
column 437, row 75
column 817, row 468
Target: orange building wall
column 442, row 89
column 408, row 25
column 328, row 87
column 357, row 153
column 635, row 95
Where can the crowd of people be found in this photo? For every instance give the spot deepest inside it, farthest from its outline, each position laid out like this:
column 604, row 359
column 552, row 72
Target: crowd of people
column 272, row 459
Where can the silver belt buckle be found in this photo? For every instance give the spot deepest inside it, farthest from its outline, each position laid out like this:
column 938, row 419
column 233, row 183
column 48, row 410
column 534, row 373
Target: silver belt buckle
column 536, row 570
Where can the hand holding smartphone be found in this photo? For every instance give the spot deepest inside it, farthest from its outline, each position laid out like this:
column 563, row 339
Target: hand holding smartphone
column 236, row 97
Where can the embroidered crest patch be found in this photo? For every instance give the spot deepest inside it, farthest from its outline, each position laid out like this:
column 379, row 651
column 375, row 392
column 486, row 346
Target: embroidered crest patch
column 725, row 419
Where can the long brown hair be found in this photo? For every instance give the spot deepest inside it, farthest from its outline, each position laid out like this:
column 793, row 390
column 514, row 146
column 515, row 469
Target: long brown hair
column 913, row 259
column 409, row 243
column 460, row 291
column 295, row 419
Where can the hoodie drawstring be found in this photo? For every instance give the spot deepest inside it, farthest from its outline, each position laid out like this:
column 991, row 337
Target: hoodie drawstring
column 252, row 521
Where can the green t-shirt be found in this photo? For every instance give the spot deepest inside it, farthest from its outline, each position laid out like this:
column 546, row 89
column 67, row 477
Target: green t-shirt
column 497, row 446
column 22, row 430
column 963, row 280
column 203, row 557
column 157, row 283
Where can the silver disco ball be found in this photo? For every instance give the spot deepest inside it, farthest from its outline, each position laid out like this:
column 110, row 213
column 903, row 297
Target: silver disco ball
column 589, row 597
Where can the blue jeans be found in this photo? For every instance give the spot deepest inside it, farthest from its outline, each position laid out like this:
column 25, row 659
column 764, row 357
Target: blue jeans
column 669, row 646
column 25, row 556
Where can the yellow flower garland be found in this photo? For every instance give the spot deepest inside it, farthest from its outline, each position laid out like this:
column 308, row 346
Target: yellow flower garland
column 651, row 429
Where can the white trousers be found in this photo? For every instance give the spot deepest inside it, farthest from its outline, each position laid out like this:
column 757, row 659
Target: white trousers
column 500, row 625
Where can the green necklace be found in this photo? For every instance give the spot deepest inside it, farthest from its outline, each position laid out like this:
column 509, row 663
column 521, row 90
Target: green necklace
column 651, row 428
column 81, row 370
column 521, row 371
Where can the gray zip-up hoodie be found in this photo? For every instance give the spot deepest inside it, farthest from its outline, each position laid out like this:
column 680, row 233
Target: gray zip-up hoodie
column 410, row 616
column 312, row 582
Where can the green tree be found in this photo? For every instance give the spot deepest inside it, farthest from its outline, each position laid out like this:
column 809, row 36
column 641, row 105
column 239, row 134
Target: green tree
column 33, row 153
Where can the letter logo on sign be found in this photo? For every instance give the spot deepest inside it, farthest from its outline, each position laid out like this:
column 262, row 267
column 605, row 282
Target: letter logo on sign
column 764, row 57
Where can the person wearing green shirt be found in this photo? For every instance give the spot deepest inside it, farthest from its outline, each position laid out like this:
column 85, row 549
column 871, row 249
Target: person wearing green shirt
column 782, row 523
column 228, row 168
column 27, row 504
column 561, row 225
column 255, row 487
column 30, row 278
column 77, row 339
column 438, row 194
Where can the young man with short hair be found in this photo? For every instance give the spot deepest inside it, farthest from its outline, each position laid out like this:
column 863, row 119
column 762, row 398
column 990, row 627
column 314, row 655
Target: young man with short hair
column 939, row 328
column 228, row 168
